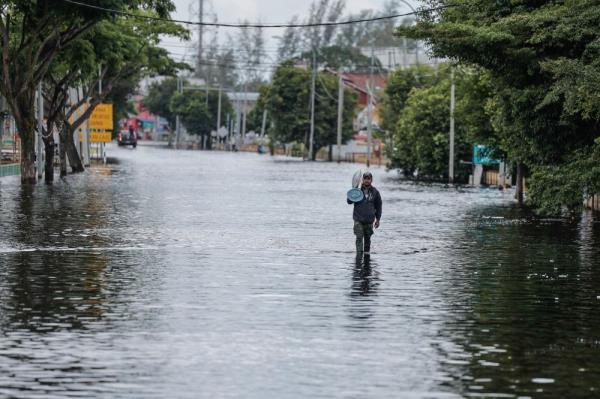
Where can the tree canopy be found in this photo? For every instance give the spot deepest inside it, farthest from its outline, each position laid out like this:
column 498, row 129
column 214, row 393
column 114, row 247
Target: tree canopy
column 542, row 57
column 199, row 112
column 32, row 35
column 420, row 134
column 288, row 105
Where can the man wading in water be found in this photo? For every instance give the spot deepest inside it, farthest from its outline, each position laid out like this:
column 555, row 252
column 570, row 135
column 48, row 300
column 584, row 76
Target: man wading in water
column 366, row 215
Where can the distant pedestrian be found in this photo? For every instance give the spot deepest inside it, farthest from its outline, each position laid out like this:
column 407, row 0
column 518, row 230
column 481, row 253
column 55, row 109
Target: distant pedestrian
column 366, row 215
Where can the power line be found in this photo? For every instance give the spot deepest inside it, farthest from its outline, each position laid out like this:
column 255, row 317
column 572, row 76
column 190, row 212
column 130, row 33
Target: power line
column 220, row 46
column 241, row 63
column 257, row 25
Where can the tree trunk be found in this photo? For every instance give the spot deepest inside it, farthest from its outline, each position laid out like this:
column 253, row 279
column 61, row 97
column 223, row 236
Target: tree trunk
column 68, row 145
column 330, row 153
column 63, row 158
column 28, row 157
column 25, row 124
column 49, row 150
column 519, row 190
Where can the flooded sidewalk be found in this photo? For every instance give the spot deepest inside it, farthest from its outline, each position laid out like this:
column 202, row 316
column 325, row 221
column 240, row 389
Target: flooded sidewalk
column 189, row 274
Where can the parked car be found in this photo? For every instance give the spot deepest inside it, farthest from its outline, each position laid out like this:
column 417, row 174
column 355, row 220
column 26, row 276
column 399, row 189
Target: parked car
column 127, row 138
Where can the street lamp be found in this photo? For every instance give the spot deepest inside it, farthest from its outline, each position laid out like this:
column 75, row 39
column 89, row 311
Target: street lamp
column 416, row 42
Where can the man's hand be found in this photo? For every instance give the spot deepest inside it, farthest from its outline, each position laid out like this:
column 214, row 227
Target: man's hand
column 376, row 224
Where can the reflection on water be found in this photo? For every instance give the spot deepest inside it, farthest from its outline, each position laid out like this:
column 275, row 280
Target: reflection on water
column 364, row 280
column 193, row 274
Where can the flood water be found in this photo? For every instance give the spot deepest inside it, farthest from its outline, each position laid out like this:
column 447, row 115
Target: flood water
column 186, row 274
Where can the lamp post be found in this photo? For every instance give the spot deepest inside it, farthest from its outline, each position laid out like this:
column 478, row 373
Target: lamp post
column 416, row 42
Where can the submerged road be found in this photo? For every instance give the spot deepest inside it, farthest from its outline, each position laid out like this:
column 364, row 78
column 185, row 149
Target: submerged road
column 186, row 274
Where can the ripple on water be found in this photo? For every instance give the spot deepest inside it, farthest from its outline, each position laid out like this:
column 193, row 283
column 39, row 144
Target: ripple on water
column 198, row 274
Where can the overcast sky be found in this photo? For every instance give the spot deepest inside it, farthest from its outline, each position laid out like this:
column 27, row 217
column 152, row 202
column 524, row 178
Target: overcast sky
column 266, row 11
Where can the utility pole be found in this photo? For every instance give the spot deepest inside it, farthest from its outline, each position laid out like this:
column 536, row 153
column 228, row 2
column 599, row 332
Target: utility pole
column 40, row 109
column 340, row 117
column 404, row 39
column 451, row 157
column 370, row 110
column 228, row 139
column 238, row 120
column 263, row 126
column 200, row 32
column 219, row 111
column 244, row 110
column 103, row 144
column 312, row 107
column 178, row 118
column 404, row 50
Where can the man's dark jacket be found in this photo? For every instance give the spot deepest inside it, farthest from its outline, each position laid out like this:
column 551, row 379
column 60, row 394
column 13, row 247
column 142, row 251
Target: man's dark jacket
column 369, row 209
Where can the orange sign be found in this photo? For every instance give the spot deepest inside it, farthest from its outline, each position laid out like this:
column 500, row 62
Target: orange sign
column 102, row 117
column 98, row 137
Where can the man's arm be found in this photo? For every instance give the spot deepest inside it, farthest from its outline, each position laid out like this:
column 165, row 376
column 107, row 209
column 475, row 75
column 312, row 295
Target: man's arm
column 378, row 205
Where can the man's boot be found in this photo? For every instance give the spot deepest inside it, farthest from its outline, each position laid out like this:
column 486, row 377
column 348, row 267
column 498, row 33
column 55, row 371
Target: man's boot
column 367, row 246
column 359, row 245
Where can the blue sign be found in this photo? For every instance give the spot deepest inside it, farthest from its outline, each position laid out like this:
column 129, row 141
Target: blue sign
column 482, row 155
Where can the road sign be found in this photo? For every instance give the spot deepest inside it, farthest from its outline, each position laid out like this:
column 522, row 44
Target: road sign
column 98, row 137
column 102, row 117
column 482, row 155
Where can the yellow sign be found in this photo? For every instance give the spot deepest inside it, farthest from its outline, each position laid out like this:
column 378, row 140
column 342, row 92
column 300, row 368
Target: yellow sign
column 102, row 117
column 98, row 137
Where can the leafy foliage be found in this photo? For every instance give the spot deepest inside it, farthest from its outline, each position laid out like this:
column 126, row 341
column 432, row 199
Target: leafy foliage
column 199, row 113
column 420, row 137
column 542, row 57
column 33, row 34
column 398, row 87
column 288, row 105
column 571, row 182
column 255, row 116
column 158, row 99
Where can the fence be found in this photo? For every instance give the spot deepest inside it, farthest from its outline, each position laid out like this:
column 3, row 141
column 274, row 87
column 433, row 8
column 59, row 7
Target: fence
column 10, row 169
column 10, row 150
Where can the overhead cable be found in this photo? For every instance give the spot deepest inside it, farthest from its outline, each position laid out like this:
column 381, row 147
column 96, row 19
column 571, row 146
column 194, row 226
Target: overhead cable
column 255, row 25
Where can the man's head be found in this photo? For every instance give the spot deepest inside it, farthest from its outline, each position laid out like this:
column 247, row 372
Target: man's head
column 367, row 179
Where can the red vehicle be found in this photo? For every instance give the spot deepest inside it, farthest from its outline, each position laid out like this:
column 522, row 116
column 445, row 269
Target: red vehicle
column 127, row 138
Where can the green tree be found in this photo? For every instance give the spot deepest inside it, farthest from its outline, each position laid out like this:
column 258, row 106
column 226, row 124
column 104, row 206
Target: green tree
column 577, row 178
column 397, row 89
column 420, row 140
column 158, row 99
column 32, row 34
column 199, row 114
column 255, row 117
column 326, row 112
column 288, row 105
column 118, row 52
column 543, row 59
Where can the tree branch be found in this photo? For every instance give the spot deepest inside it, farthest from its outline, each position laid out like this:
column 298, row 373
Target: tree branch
column 64, row 39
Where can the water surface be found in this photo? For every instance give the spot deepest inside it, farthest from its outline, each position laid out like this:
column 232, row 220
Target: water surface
column 195, row 274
